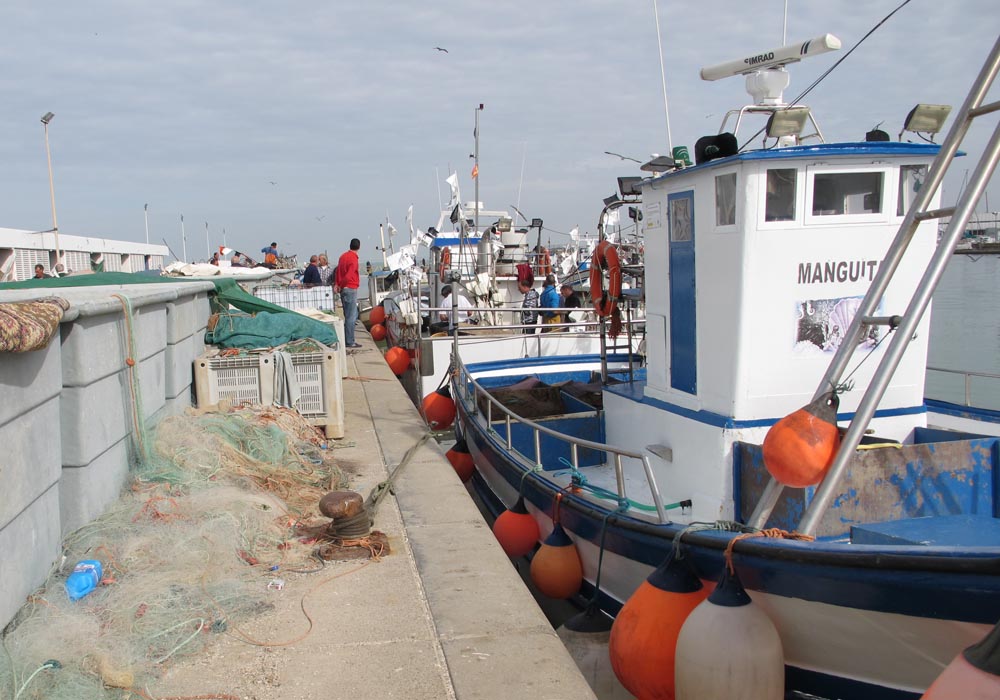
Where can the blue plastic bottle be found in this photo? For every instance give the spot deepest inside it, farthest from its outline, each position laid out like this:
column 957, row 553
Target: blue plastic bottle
column 85, row 577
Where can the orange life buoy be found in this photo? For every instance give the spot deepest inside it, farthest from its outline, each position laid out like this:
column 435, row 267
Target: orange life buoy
column 544, row 263
column 445, row 261
column 605, row 258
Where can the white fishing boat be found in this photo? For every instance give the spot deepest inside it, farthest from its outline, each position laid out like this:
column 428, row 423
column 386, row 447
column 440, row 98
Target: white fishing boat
column 778, row 278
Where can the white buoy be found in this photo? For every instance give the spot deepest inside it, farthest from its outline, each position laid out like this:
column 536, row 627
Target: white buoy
column 729, row 648
column 586, row 639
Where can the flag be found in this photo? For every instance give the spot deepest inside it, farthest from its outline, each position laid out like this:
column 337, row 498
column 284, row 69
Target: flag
column 452, row 181
column 475, row 171
column 574, row 233
column 392, row 230
column 409, row 221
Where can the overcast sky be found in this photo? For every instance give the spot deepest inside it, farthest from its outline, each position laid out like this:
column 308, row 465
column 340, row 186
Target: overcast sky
column 306, row 123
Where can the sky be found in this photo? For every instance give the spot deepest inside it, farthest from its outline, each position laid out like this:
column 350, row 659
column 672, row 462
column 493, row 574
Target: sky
column 309, row 123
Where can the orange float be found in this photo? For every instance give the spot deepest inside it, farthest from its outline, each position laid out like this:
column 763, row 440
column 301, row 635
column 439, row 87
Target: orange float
column 461, row 460
column 973, row 675
column 643, row 638
column 378, row 332
column 556, row 567
column 605, row 258
column 398, row 360
column 800, row 447
column 445, row 261
column 438, row 409
column 376, row 315
column 515, row 530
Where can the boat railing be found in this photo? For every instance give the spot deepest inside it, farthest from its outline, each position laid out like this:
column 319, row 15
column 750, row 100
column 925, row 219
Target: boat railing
column 472, row 391
column 968, row 376
column 590, row 325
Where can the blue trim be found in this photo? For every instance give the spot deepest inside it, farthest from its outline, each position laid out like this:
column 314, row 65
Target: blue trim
column 683, row 301
column 823, row 685
column 635, row 392
column 987, row 415
column 856, row 149
column 440, row 242
column 522, row 364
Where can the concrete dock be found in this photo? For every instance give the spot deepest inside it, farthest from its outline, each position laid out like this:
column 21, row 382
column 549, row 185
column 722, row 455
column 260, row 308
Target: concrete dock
column 446, row 615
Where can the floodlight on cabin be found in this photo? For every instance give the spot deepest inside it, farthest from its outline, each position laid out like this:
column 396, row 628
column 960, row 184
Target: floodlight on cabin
column 926, row 119
column 608, row 201
column 787, row 122
column 629, row 186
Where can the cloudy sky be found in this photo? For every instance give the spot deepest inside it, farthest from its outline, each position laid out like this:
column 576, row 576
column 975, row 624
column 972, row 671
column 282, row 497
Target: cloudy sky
column 306, row 123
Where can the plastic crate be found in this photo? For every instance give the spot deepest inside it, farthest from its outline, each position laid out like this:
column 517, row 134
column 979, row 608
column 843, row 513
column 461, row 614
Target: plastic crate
column 296, row 298
column 248, row 380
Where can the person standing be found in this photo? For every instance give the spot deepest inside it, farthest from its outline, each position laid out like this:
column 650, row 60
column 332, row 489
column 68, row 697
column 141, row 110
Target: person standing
column 311, row 278
column 570, row 300
column 346, row 281
column 550, row 302
column 325, row 271
column 270, row 256
column 529, row 316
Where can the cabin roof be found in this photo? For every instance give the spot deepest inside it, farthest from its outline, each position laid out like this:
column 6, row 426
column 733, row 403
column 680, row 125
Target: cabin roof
column 866, row 149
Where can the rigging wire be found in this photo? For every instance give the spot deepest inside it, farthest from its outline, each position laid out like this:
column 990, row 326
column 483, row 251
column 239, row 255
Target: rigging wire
column 834, row 66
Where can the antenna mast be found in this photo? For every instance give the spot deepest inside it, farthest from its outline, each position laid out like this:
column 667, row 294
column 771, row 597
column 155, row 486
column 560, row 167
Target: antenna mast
column 663, row 79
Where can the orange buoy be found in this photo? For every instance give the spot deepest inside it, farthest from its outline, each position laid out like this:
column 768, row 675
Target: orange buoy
column 398, row 360
column 378, row 332
column 438, row 409
column 556, row 567
column 973, row 675
column 515, row 530
column 376, row 315
column 800, row 447
column 729, row 648
column 644, row 636
column 461, row 460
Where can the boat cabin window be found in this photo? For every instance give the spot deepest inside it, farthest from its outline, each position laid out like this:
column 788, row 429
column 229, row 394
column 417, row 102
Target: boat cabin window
column 780, row 204
column 725, row 200
column 911, row 179
column 837, row 194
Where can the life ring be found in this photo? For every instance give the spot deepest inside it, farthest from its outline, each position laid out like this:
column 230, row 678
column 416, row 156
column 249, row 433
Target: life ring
column 445, row 261
column 605, row 257
column 544, row 263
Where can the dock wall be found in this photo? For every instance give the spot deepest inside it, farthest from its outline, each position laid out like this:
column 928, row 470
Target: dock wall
column 66, row 418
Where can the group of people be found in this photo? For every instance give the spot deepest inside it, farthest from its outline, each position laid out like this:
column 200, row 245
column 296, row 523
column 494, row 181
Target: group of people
column 551, row 305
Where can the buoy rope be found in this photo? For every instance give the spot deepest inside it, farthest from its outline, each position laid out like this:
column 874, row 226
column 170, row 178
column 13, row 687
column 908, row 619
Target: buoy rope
column 135, row 387
column 592, row 604
column 527, row 472
column 773, row 532
column 555, row 510
column 699, row 526
column 846, row 384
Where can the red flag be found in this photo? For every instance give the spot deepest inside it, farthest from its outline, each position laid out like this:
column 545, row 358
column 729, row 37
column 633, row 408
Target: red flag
column 475, row 171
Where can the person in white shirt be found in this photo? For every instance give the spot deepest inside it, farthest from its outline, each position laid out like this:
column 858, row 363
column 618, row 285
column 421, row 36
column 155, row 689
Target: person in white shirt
column 462, row 314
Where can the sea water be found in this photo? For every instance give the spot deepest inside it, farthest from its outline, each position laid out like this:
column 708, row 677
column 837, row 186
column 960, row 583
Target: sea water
column 965, row 332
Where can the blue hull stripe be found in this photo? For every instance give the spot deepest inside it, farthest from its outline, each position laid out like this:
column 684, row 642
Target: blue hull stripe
column 970, row 412
column 918, row 581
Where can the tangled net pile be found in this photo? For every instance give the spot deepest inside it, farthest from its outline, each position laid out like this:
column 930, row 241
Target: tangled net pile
column 187, row 552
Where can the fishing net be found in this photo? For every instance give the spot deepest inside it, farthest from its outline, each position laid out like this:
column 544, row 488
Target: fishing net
column 212, row 514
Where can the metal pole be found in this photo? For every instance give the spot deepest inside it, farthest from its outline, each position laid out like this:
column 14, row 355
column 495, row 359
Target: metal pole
column 476, row 178
column 145, row 214
column 663, row 79
column 208, row 246
column 52, row 188
column 381, row 235
column 184, row 241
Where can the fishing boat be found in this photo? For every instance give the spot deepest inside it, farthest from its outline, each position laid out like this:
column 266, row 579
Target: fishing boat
column 793, row 276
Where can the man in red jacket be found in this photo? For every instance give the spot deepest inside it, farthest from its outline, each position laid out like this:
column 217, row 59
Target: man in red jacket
column 346, row 281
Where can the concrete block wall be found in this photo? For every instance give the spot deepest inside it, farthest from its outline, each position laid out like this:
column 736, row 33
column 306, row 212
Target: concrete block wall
column 65, row 421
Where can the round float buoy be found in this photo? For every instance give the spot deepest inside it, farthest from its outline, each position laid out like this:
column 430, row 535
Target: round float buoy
column 800, row 447
column 378, row 332
column 461, row 460
column 973, row 675
column 729, row 648
column 438, row 409
column 585, row 637
column 376, row 315
column 644, row 636
column 398, row 360
column 515, row 530
column 556, row 567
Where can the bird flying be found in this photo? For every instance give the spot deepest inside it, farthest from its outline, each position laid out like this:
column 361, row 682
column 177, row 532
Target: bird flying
column 440, row 49
column 320, row 218
column 272, row 182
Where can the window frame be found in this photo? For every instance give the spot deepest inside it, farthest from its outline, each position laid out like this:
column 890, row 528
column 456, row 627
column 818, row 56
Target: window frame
column 886, row 195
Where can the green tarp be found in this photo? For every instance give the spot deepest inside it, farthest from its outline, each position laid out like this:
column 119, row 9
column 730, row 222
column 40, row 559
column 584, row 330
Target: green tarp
column 277, row 325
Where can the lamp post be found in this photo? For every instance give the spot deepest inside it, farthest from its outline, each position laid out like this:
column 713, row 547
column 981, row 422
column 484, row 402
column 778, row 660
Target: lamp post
column 145, row 213
column 46, row 118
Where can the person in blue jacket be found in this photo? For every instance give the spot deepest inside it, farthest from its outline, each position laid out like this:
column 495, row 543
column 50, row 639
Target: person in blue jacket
column 550, row 302
column 311, row 277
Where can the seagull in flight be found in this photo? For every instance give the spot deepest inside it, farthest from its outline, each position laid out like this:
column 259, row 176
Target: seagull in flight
column 619, row 155
column 440, row 49
column 272, row 182
column 320, row 218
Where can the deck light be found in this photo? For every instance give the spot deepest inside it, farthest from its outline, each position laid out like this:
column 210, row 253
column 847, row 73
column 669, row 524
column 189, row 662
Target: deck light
column 926, row 119
column 787, row 122
column 629, row 186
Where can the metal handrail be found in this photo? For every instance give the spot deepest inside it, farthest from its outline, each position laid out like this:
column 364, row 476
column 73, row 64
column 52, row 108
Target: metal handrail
column 575, row 443
column 968, row 379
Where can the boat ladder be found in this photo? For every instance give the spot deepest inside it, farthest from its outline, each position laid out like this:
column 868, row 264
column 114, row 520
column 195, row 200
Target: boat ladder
column 906, row 324
column 606, row 348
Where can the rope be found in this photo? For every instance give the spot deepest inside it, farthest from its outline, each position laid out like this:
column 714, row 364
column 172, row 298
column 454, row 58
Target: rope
column 773, row 532
column 135, row 387
column 720, row 525
column 579, row 481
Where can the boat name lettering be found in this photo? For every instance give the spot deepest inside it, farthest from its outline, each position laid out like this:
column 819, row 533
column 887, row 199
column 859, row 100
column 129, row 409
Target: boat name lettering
column 759, row 58
column 836, row 271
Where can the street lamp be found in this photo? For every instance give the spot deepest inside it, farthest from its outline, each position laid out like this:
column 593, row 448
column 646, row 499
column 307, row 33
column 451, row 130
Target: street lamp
column 46, row 118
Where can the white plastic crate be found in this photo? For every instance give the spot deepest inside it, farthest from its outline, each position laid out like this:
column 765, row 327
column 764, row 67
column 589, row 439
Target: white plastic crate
column 249, row 380
column 296, row 298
